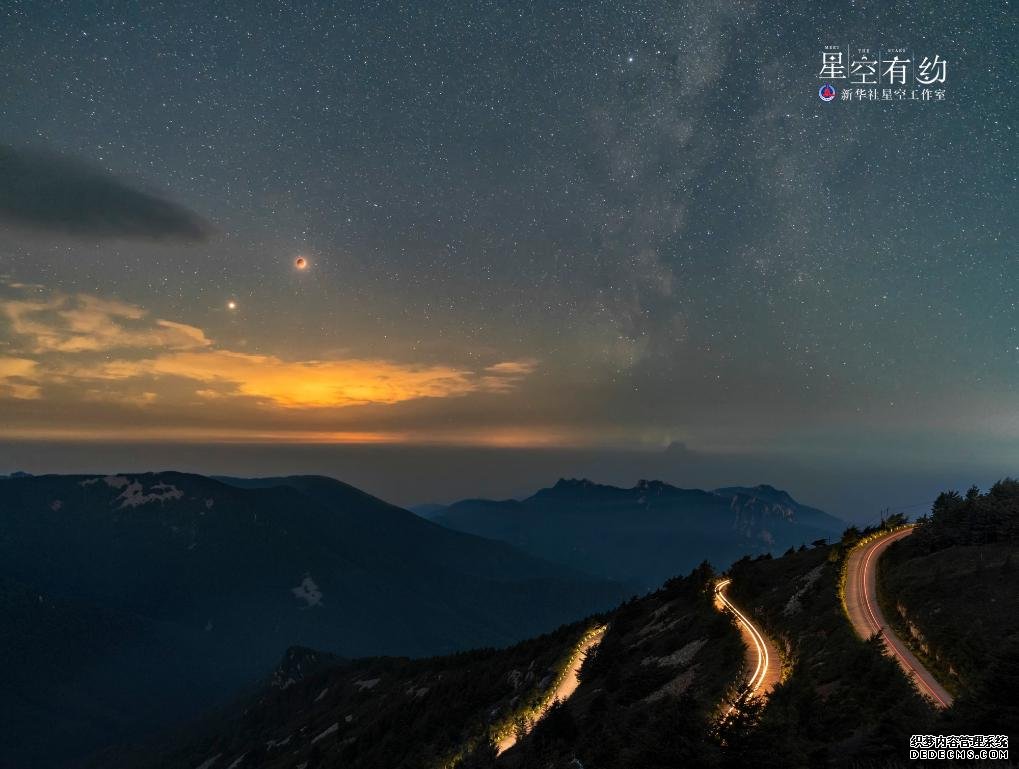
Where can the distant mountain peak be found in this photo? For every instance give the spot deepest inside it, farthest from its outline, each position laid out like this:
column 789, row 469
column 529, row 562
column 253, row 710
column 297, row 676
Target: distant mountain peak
column 574, row 483
column 569, row 487
column 782, row 500
column 580, row 489
column 644, row 533
column 762, row 491
column 583, row 488
column 646, row 485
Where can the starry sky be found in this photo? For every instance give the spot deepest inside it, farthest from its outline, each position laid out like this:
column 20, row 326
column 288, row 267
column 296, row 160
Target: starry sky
column 626, row 229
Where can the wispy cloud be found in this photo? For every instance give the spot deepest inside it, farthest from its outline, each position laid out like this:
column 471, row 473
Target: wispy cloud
column 513, row 368
column 506, row 376
column 49, row 192
column 88, row 323
column 18, row 379
column 99, row 349
column 292, row 384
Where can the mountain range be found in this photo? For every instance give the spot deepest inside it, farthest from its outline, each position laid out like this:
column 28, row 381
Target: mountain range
column 661, row 690
column 643, row 534
column 136, row 600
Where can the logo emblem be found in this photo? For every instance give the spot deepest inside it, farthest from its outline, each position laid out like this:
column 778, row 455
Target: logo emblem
column 826, row 92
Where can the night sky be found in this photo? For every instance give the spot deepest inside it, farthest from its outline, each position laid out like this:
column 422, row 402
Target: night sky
column 571, row 227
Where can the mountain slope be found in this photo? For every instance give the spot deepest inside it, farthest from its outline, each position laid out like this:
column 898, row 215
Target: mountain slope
column 666, row 659
column 845, row 701
column 950, row 590
column 646, row 533
column 842, row 703
column 409, row 538
column 652, row 694
column 777, row 503
column 205, row 583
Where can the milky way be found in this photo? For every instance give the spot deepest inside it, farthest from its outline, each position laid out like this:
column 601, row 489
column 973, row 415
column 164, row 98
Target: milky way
column 613, row 224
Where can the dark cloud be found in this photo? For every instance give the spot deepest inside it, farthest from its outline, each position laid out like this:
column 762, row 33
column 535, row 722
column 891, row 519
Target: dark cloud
column 44, row 191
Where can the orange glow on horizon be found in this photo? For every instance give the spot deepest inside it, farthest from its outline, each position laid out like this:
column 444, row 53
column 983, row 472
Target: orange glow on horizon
column 511, row 438
column 111, row 371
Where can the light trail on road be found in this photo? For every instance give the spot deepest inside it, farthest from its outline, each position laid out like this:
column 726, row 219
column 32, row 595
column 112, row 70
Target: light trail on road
column 764, row 657
column 867, row 619
column 564, row 690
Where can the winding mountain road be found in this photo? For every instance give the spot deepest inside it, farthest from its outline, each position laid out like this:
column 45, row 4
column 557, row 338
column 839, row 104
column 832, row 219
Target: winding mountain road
column 761, row 653
column 566, row 686
column 867, row 618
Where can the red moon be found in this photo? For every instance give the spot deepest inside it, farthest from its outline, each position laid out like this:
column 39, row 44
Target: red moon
column 300, row 263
